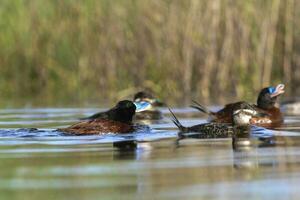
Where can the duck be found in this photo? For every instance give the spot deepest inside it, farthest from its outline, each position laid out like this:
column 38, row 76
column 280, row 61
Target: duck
column 115, row 120
column 269, row 115
column 241, row 116
column 152, row 113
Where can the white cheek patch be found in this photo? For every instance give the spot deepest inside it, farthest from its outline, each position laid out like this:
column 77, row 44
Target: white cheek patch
column 137, row 100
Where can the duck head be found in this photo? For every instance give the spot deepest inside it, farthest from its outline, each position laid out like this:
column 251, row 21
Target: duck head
column 147, row 97
column 268, row 96
column 124, row 110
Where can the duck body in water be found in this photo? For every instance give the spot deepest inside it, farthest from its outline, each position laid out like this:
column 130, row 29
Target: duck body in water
column 241, row 121
column 98, row 126
column 116, row 120
column 270, row 115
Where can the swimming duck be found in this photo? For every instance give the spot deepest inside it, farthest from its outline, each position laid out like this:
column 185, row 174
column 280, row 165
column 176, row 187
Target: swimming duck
column 116, row 120
column 270, row 115
column 152, row 113
column 241, row 117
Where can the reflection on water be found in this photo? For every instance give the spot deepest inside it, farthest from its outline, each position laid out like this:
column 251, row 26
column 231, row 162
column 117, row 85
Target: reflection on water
column 43, row 163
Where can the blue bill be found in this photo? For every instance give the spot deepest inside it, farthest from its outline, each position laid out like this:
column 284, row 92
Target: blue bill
column 142, row 106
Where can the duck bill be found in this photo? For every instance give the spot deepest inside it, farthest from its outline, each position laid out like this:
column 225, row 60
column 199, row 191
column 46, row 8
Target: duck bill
column 142, row 106
column 153, row 102
column 278, row 90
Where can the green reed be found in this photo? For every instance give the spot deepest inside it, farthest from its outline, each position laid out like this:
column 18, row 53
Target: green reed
column 77, row 52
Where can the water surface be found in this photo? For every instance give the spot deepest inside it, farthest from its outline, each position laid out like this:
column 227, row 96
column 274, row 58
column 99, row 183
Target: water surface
column 45, row 164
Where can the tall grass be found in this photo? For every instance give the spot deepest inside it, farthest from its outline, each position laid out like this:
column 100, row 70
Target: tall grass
column 65, row 52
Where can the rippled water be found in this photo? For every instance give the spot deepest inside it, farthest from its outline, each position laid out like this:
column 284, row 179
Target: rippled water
column 43, row 163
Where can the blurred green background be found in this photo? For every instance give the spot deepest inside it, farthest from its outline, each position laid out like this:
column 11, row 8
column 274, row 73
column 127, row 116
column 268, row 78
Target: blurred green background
column 89, row 52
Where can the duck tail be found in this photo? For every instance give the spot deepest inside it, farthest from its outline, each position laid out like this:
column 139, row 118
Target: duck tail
column 177, row 122
column 201, row 108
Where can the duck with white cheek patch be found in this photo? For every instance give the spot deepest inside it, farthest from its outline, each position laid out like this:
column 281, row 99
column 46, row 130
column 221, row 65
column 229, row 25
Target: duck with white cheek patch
column 271, row 116
column 241, row 123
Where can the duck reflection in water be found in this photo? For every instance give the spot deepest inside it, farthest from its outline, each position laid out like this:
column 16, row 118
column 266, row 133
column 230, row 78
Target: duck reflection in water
column 133, row 149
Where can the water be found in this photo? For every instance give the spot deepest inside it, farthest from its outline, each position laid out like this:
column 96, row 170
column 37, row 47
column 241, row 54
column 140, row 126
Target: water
column 45, row 164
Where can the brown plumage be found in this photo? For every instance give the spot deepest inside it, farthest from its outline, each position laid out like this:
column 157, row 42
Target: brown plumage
column 270, row 115
column 116, row 120
column 273, row 118
column 98, row 126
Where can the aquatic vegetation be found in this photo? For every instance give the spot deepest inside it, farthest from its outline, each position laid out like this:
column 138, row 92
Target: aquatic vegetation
column 103, row 51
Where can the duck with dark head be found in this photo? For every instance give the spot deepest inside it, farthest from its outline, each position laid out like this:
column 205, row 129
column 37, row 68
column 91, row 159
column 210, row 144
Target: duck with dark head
column 270, row 115
column 152, row 113
column 266, row 103
column 116, row 120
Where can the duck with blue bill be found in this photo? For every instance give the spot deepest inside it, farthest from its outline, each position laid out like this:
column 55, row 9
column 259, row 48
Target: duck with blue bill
column 116, row 120
column 270, row 115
